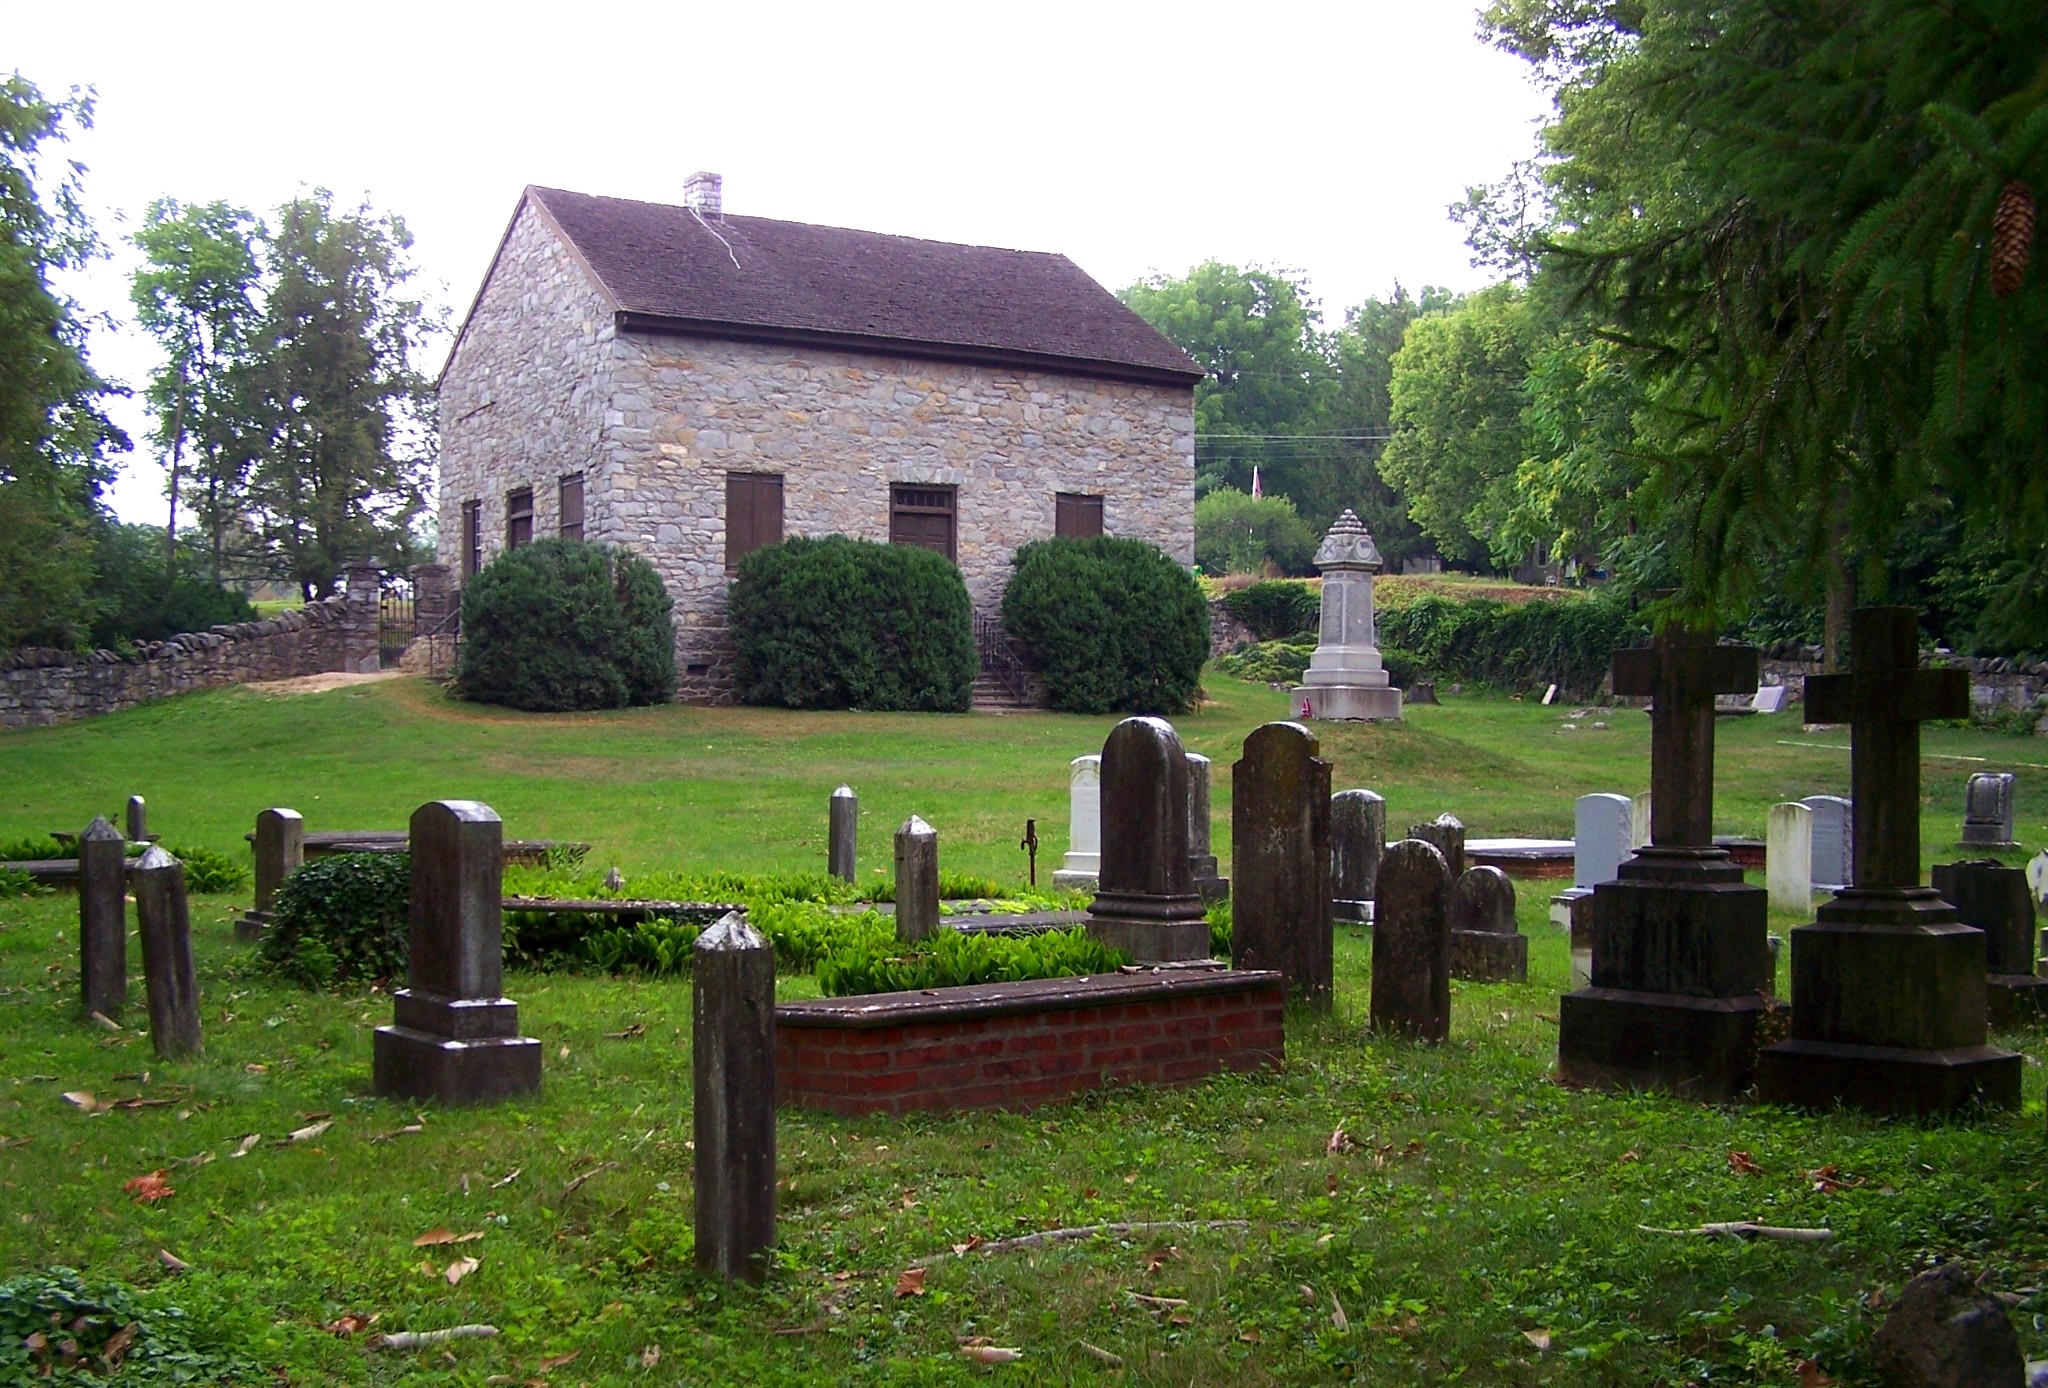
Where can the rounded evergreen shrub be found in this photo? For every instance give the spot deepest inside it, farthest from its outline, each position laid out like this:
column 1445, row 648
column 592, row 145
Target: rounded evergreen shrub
column 1115, row 625
column 845, row 623
column 341, row 918
column 560, row 625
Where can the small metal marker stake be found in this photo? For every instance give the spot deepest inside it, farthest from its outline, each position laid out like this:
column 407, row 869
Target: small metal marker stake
column 1030, row 846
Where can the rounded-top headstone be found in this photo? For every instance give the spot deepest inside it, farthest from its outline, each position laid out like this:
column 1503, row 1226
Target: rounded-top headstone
column 1144, row 810
column 1411, row 943
column 1483, row 899
column 1358, row 836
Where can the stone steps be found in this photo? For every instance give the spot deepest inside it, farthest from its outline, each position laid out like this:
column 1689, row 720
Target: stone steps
column 991, row 695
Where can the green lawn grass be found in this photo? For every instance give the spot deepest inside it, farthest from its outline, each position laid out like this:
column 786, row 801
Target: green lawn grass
column 1480, row 1205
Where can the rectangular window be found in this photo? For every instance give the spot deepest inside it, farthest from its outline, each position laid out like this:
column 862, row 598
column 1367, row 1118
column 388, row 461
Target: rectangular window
column 472, row 538
column 1077, row 517
column 753, row 513
column 519, row 518
column 572, row 506
column 923, row 516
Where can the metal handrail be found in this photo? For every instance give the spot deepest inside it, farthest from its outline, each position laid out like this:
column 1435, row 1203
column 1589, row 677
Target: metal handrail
column 1001, row 658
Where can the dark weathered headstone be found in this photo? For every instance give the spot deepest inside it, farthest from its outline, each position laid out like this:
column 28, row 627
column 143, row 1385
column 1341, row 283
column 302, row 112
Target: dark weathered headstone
column 1280, row 854
column 1994, row 898
column 455, row 1037
column 1487, row 946
column 1203, row 870
column 280, row 849
column 1679, row 966
column 843, row 825
column 917, row 880
column 1145, row 902
column 1945, row 1331
column 138, row 819
column 732, row 1057
column 1888, row 986
column 1447, row 832
column 1988, row 810
column 1411, row 943
column 1358, row 836
column 164, row 920
column 102, row 919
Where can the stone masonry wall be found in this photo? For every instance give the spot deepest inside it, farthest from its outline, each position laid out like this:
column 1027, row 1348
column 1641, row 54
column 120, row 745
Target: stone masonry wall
column 41, row 687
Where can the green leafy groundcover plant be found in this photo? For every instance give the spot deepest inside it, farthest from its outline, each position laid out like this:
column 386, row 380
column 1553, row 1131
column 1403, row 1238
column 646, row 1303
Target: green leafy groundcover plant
column 1276, row 609
column 875, row 963
column 342, row 919
column 844, row 623
column 1571, row 643
column 1283, row 662
column 1115, row 625
column 560, row 625
column 208, row 871
column 57, row 1327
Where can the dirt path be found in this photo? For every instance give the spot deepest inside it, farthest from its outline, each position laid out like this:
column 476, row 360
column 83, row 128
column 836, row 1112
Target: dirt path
column 320, row 684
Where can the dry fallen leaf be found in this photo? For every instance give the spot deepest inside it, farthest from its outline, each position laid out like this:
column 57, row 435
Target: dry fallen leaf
column 512, row 1176
column 1538, row 1338
column 309, row 1132
column 1340, row 1142
column 1115, row 1361
column 991, row 1354
column 909, row 1199
column 248, row 1145
column 147, row 1190
column 102, row 1019
column 172, row 1261
column 1741, row 1164
column 1337, row 1316
column 1810, row 1375
column 1628, row 1156
column 82, row 1100
column 637, row 1029
column 350, row 1323
column 974, row 1241
column 911, row 1283
column 556, row 1361
column 460, row 1268
column 650, row 1356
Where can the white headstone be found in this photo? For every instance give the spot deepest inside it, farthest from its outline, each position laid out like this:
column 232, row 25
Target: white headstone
column 1084, row 826
column 1834, row 841
column 1550, row 696
column 1600, row 841
column 1788, row 857
column 1639, row 820
column 1770, row 698
column 2037, row 878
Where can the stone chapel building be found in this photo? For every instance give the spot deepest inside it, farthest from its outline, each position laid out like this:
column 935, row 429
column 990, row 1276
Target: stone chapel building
column 694, row 385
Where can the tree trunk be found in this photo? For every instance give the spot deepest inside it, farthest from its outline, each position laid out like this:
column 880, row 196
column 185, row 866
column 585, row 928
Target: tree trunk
column 1841, row 595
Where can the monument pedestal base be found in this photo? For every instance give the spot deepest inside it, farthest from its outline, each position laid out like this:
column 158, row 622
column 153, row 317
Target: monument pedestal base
column 251, row 925
column 1213, row 888
column 1887, row 1079
column 1162, row 930
column 1491, row 956
column 1353, row 701
column 454, row 1050
column 1353, row 912
column 1702, row 1048
column 2016, row 999
column 1074, row 881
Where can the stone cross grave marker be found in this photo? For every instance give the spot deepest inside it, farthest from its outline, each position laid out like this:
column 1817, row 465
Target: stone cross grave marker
column 917, row 881
column 842, row 822
column 280, row 850
column 1788, row 857
column 1600, row 834
column 1411, row 943
column 1280, row 853
column 102, row 919
column 1988, row 818
column 1447, row 832
column 1203, row 869
column 138, row 819
column 164, row 920
column 1834, row 834
column 1889, row 1004
column 455, row 1036
column 1358, row 836
column 1995, row 899
column 1486, row 944
column 1079, row 870
column 1678, row 951
column 732, row 1058
column 1145, row 902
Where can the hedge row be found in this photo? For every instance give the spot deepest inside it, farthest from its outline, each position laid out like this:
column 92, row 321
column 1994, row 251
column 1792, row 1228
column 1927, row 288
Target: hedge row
column 1571, row 644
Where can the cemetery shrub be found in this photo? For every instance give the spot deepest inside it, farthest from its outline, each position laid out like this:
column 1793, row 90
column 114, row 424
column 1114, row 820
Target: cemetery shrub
column 55, row 1326
column 1276, row 609
column 559, row 625
column 1115, row 625
column 879, row 963
column 342, row 919
column 844, row 623
column 34, row 850
column 1570, row 642
column 1269, row 662
column 208, row 872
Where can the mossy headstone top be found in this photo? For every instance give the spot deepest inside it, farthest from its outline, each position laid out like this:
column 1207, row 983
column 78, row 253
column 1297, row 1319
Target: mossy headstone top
column 1345, row 677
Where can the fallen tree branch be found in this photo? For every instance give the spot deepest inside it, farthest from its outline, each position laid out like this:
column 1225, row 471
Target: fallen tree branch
column 1744, row 1229
column 1087, row 1231
column 422, row 1339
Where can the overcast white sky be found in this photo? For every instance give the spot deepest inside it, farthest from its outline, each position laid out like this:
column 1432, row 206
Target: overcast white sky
column 1134, row 138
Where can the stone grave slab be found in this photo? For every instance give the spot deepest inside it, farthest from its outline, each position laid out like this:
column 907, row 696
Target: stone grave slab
column 1280, row 851
column 1988, row 810
column 1834, row 842
column 1994, row 898
column 1487, row 946
column 1083, row 863
column 1788, row 857
column 1210, row 883
column 1411, row 943
column 1145, row 902
column 1358, row 836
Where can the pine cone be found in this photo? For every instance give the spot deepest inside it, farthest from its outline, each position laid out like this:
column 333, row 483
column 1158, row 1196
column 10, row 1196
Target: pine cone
column 2012, row 238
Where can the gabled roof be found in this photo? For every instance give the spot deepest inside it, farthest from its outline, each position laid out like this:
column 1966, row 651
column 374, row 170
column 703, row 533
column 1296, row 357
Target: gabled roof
column 668, row 269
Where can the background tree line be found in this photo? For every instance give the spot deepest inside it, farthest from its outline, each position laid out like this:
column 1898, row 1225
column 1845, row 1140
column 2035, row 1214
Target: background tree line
column 296, row 433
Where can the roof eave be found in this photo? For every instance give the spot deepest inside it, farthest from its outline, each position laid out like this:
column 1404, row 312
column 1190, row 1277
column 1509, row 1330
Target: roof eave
column 629, row 320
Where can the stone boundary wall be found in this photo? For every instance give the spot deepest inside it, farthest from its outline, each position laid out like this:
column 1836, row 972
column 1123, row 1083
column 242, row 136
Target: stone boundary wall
column 1994, row 683
column 1226, row 632
column 40, row 687
column 1019, row 1045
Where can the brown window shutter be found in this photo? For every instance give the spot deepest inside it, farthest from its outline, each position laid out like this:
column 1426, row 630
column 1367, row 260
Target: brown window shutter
column 1077, row 517
column 753, row 513
column 572, row 506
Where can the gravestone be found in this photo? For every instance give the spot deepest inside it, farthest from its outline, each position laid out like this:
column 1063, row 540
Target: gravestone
column 1280, row 852
column 842, row 823
column 1788, row 857
column 1988, row 810
column 1358, row 836
column 138, row 819
column 1679, row 964
column 1447, row 832
column 2037, row 877
column 1424, row 692
column 1345, row 677
column 732, row 1060
column 102, row 919
column 1487, row 946
column 1083, row 863
column 917, row 881
column 454, row 1037
column 1638, row 821
column 280, row 849
column 1770, row 698
column 1888, row 986
column 1834, row 835
column 1600, row 835
column 1210, row 883
column 163, row 919
column 1145, row 902
column 1995, row 899
column 1411, row 943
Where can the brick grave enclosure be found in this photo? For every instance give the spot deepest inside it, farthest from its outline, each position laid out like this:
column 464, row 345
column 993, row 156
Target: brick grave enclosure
column 1017, row 1045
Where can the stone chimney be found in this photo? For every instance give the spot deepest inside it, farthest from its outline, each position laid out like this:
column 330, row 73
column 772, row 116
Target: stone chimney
column 703, row 194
